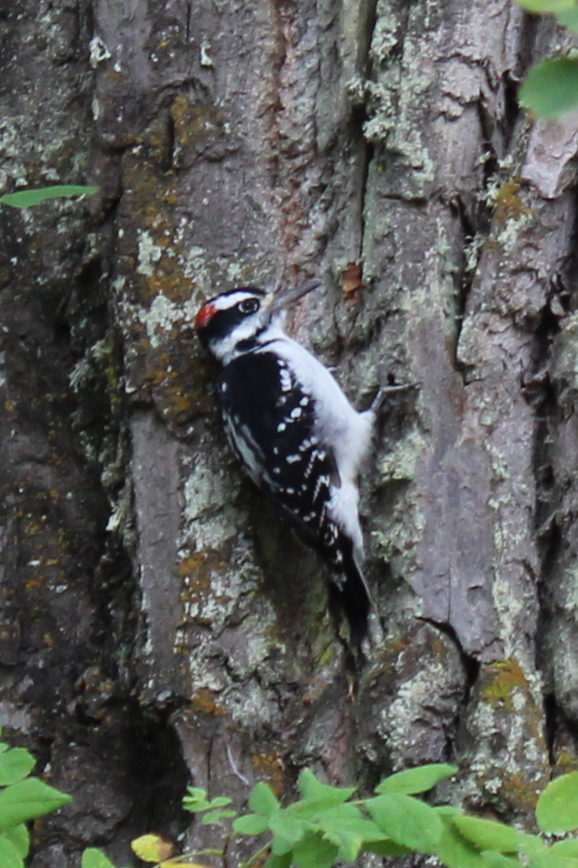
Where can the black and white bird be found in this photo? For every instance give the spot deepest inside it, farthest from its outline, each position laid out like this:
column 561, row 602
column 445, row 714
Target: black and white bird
column 295, row 432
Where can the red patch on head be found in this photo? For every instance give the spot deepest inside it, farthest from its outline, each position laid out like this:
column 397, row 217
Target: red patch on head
column 205, row 314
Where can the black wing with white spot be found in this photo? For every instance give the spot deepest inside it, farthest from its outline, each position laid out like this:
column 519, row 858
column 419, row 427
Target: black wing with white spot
column 269, row 420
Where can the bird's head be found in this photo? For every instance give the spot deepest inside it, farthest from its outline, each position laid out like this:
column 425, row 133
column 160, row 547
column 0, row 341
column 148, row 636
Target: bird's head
column 227, row 321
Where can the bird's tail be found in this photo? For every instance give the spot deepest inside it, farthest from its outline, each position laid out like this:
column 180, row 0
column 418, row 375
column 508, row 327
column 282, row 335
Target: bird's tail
column 349, row 590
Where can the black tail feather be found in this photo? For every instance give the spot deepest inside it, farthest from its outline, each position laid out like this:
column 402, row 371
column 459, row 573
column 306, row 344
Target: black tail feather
column 349, row 590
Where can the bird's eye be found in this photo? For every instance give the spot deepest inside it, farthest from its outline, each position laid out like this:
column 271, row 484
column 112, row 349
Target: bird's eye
column 250, row 305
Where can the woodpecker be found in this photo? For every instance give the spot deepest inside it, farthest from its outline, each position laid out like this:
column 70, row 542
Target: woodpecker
column 294, row 431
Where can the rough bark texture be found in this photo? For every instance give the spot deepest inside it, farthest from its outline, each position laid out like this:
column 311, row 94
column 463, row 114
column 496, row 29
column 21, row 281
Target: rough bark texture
column 157, row 625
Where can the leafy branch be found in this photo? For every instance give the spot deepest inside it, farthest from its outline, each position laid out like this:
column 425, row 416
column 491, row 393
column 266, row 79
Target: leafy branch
column 551, row 87
column 22, row 798
column 327, row 825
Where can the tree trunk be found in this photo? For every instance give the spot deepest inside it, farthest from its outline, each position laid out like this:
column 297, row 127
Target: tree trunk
column 158, row 626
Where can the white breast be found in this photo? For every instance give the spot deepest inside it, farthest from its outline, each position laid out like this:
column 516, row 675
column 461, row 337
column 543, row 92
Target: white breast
column 338, row 425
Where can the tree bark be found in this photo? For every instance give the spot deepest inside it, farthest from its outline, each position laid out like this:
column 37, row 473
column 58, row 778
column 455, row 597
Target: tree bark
column 158, row 625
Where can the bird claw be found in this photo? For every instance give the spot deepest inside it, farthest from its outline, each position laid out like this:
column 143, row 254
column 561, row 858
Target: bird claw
column 385, row 391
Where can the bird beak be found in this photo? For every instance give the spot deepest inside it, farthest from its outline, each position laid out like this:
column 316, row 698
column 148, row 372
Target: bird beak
column 283, row 300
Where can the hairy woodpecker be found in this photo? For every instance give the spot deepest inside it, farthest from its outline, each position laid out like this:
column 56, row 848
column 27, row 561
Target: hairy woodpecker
column 295, row 432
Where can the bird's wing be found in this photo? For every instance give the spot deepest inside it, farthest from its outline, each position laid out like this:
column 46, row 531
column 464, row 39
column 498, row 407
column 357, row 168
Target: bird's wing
column 269, row 420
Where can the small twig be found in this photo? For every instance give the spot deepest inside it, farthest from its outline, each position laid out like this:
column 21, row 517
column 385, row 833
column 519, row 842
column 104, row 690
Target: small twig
column 174, row 860
column 235, row 769
column 256, row 855
column 384, row 391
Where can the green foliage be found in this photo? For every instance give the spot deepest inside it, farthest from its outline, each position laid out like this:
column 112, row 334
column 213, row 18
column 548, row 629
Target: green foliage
column 28, row 800
column 95, row 858
column 27, row 198
column 488, row 835
column 407, row 821
column 328, row 825
column 566, row 848
column 22, row 798
column 15, row 765
column 324, row 826
column 557, row 808
column 551, row 87
column 418, row 780
column 197, row 802
column 569, row 18
column 542, row 6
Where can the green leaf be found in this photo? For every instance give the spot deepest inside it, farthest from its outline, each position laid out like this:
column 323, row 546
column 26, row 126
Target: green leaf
column 348, row 845
column 406, row 821
column 543, row 6
column 314, row 852
column 288, row 828
column 488, row 834
column 305, row 809
column 349, row 817
column 263, row 800
column 9, row 855
column 281, row 846
column 498, row 860
column 26, row 198
column 531, row 845
column 95, row 858
column 549, row 860
column 386, row 848
column 27, row 800
column 197, row 793
column 323, row 795
column 196, row 800
column 20, row 837
column 416, row 780
column 455, row 852
column 566, row 848
column 251, row 824
column 448, row 811
column 195, row 807
column 346, row 827
column 220, row 802
column 551, row 87
column 15, row 765
column 557, row 808
column 278, row 861
column 569, row 18
column 217, row 816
